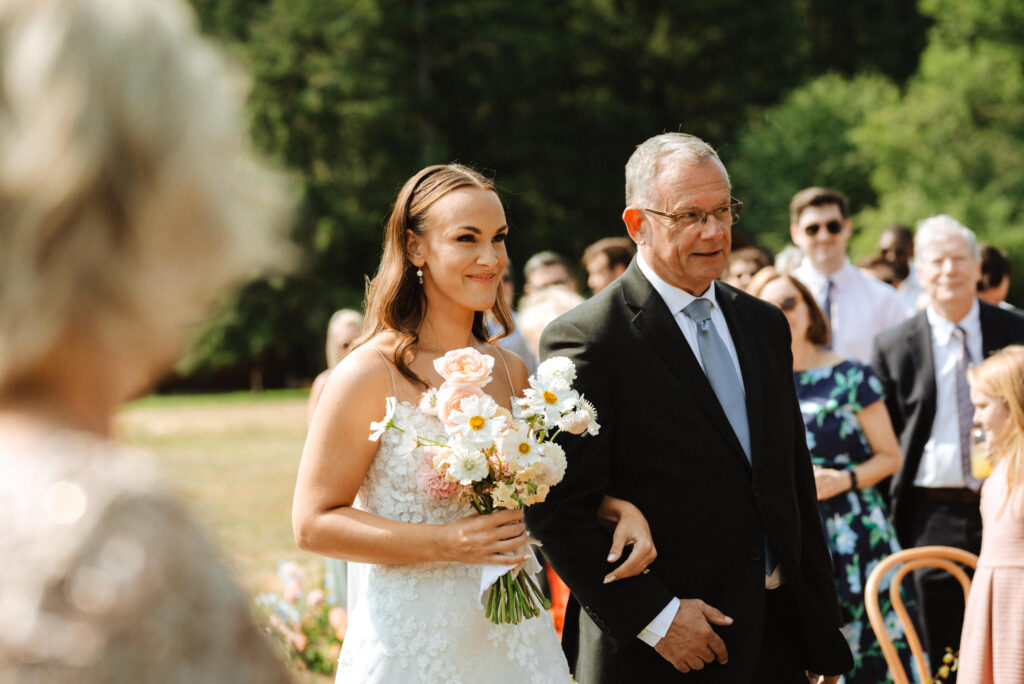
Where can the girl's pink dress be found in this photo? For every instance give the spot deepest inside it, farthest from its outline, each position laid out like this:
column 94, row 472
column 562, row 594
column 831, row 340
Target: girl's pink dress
column 992, row 644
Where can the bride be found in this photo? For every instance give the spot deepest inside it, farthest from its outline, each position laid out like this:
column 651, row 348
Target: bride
column 418, row 615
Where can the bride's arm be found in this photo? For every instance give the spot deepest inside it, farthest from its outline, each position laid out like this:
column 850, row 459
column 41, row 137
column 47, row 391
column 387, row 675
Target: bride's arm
column 631, row 528
column 335, row 460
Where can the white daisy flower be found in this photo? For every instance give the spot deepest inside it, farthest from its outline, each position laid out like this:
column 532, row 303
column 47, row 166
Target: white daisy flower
column 478, row 422
column 518, row 446
column 378, row 428
column 550, row 400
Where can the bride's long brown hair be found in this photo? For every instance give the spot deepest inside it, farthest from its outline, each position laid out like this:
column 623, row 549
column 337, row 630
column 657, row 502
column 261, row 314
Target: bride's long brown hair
column 394, row 297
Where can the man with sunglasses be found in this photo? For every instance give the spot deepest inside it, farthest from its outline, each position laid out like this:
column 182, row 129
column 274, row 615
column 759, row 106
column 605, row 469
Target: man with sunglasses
column 857, row 306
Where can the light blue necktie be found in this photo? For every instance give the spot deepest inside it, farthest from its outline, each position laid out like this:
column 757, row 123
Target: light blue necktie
column 721, row 372
column 719, row 368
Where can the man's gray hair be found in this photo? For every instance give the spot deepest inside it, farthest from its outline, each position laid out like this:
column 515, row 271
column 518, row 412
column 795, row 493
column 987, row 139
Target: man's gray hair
column 935, row 228
column 645, row 163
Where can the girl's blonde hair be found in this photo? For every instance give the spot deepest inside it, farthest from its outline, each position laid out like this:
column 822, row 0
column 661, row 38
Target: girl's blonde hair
column 129, row 199
column 1001, row 376
column 394, row 298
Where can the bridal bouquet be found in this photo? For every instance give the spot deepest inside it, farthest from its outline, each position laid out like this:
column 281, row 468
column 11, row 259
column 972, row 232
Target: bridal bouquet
column 494, row 458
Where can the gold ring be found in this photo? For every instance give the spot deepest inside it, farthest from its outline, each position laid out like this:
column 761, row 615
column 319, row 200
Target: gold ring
column 644, row 571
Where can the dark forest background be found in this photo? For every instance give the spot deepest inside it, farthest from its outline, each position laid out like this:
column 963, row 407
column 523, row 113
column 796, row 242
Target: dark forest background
column 910, row 108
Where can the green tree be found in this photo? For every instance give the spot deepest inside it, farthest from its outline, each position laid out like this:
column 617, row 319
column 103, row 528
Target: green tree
column 954, row 143
column 803, row 141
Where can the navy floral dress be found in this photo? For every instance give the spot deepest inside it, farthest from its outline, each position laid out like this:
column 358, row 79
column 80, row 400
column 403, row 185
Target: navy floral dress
column 856, row 523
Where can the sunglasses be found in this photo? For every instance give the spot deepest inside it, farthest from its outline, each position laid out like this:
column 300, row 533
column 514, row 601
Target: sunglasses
column 787, row 304
column 832, row 227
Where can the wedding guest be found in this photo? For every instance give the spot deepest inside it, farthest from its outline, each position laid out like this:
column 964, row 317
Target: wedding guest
column 744, row 264
column 996, row 269
column 343, row 329
column 857, row 307
column 853, row 448
column 418, row 617
column 896, row 245
column 707, row 439
column 878, row 267
column 538, row 309
column 545, row 269
column 129, row 203
column 606, row 260
column 922, row 364
column 992, row 645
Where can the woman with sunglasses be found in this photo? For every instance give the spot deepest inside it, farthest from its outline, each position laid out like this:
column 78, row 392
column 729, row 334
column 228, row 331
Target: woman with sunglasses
column 853, row 447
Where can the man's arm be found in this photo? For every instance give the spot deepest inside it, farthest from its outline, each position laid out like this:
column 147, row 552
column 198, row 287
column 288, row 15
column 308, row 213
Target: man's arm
column 567, row 523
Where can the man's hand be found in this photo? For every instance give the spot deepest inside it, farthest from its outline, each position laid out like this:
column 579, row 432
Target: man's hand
column 821, row 679
column 691, row 643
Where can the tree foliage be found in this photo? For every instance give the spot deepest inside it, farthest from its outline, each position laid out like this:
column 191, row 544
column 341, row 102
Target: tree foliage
column 353, row 96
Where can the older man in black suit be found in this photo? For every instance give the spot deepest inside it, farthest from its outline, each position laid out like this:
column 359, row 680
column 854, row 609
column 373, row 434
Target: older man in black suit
column 693, row 382
column 921, row 364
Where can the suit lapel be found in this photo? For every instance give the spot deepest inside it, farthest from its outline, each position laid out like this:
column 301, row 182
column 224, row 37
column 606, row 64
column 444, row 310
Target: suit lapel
column 993, row 335
column 656, row 323
column 920, row 345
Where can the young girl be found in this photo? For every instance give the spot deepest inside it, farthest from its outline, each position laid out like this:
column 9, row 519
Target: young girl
column 992, row 645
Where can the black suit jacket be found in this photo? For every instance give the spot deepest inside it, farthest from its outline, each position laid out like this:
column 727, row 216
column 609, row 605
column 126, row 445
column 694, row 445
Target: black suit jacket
column 904, row 363
column 667, row 446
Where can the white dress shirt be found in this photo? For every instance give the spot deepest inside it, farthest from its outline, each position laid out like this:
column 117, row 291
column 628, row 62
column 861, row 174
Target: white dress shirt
column 677, row 300
column 940, row 461
column 862, row 307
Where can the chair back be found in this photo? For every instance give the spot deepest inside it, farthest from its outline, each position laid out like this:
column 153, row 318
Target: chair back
column 944, row 557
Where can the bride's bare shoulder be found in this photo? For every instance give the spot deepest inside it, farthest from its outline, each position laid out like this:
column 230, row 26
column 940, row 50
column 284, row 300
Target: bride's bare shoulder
column 368, row 366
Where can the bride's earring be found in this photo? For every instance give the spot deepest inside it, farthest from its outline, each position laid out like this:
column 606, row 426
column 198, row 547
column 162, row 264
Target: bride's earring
column 419, row 274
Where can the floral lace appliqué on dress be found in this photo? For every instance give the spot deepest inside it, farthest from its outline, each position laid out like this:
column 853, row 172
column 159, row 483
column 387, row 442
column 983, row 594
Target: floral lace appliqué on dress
column 424, row 622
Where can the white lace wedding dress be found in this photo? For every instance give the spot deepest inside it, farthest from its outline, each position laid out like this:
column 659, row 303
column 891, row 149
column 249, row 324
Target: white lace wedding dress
column 425, row 622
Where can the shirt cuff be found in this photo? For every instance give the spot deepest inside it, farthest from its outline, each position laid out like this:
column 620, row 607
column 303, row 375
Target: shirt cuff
column 658, row 627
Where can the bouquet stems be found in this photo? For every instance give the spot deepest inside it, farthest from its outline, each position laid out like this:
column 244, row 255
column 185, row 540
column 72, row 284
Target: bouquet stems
column 515, row 597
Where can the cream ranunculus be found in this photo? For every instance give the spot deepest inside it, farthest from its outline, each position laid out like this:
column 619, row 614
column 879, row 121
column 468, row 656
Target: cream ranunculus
column 465, row 367
column 558, row 370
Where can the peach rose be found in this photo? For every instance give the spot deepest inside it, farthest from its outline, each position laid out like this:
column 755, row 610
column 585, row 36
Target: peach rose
column 465, row 367
column 450, row 398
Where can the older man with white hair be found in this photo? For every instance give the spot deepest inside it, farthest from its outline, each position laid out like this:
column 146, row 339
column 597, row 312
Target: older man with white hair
column 922, row 365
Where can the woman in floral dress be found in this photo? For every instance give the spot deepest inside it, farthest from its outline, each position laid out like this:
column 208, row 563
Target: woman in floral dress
column 853, row 447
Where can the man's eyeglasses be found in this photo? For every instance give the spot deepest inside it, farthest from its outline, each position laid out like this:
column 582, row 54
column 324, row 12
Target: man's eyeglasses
column 832, row 227
column 727, row 215
column 787, row 304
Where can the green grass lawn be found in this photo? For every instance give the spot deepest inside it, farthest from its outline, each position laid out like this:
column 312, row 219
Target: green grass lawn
column 233, row 458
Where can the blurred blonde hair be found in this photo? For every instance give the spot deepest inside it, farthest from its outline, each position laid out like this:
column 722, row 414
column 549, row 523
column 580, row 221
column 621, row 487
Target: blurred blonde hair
column 539, row 308
column 342, row 322
column 129, row 198
column 1001, row 376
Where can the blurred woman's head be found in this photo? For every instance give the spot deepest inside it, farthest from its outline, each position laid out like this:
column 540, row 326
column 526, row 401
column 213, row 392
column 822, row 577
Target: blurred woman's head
column 449, row 224
column 997, row 392
column 344, row 328
column 805, row 317
column 129, row 199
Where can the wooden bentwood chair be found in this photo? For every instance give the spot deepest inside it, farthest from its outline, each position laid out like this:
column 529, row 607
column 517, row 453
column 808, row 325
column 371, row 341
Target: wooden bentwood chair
column 944, row 557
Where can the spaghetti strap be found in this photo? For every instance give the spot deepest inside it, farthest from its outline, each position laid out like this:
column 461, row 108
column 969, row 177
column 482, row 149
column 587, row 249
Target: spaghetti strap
column 508, row 375
column 387, row 364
